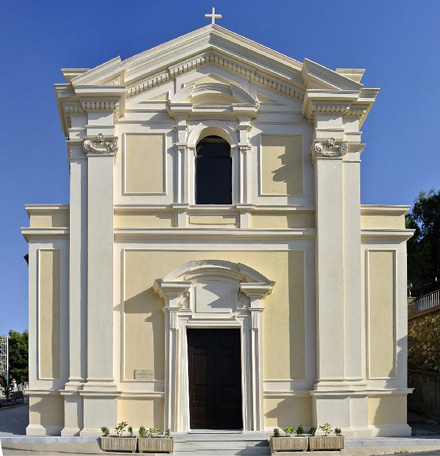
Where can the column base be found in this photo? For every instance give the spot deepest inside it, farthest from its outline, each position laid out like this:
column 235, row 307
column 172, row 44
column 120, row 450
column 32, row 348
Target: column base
column 40, row 430
column 100, row 408
column 70, row 432
column 345, row 409
column 390, row 430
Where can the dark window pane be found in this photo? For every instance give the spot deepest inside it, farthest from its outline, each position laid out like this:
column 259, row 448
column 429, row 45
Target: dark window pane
column 213, row 171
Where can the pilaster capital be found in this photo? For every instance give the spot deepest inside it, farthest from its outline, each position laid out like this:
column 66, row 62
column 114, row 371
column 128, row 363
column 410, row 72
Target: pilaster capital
column 244, row 147
column 100, row 145
column 180, row 147
column 329, row 149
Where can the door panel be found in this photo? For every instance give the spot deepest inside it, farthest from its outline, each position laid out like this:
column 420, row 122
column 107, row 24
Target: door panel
column 215, row 378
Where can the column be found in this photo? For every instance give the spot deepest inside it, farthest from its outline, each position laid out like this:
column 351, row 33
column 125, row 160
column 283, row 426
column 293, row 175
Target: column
column 175, row 295
column 182, row 191
column 244, row 205
column 256, row 292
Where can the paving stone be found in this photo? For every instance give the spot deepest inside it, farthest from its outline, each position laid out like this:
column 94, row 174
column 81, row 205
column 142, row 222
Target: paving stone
column 13, row 420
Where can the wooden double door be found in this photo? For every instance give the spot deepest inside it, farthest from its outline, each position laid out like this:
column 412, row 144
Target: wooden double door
column 214, row 364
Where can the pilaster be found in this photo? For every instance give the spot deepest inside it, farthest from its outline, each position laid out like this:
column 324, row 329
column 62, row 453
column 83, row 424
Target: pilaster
column 99, row 392
column 340, row 390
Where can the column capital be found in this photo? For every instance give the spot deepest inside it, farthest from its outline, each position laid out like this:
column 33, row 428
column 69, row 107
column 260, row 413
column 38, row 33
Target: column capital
column 329, row 148
column 101, row 145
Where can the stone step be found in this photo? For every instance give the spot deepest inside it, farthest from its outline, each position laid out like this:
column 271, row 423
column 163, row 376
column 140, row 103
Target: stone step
column 225, row 444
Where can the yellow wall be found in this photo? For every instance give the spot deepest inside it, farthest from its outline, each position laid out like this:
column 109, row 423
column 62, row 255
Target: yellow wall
column 47, row 410
column 276, row 220
column 387, row 410
column 50, row 219
column 145, row 163
column 49, row 313
column 281, row 161
column 144, row 220
column 212, row 220
column 140, row 411
column 144, row 319
column 381, row 313
column 383, row 221
column 287, row 411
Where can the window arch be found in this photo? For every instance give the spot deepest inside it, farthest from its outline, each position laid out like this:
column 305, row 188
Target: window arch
column 213, row 180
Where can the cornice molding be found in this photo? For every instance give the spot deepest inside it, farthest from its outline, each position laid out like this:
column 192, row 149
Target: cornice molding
column 217, row 58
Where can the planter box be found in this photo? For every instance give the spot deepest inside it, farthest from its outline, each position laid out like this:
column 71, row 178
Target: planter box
column 156, row 445
column 326, row 442
column 288, row 443
column 119, row 444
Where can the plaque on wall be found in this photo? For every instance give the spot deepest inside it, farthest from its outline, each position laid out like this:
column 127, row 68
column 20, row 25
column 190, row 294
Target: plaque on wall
column 144, row 374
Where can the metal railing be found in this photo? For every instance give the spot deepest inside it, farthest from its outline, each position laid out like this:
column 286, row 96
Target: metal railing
column 425, row 302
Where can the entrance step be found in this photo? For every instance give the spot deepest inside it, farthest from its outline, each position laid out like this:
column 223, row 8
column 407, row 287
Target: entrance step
column 225, row 444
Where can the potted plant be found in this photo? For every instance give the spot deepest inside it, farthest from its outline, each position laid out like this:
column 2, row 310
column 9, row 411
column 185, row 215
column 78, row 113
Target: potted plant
column 327, row 441
column 118, row 442
column 153, row 441
column 291, row 441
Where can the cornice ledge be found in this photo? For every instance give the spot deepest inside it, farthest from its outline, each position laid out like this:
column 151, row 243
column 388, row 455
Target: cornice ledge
column 103, row 72
column 170, row 289
column 401, row 234
column 318, row 101
column 257, row 290
column 315, row 74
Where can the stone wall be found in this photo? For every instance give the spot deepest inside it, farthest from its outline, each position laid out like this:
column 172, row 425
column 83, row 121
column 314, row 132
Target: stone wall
column 424, row 340
column 424, row 362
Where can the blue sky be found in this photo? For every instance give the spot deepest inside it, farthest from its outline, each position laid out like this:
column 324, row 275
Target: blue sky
column 397, row 41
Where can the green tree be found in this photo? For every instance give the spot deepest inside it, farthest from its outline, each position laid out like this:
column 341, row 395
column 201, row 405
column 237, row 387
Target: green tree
column 18, row 356
column 424, row 246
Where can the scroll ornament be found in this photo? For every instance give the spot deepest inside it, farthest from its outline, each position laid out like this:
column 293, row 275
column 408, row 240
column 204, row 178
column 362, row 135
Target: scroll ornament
column 100, row 145
column 330, row 148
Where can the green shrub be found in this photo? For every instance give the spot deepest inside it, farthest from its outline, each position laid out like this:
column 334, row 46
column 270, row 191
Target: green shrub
column 142, row 431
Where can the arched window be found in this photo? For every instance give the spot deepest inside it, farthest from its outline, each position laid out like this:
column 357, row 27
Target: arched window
column 213, row 171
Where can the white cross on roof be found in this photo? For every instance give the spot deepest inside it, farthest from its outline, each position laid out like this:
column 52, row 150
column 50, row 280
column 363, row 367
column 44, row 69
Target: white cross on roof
column 213, row 16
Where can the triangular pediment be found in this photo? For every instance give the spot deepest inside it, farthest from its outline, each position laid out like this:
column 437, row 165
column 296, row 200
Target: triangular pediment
column 218, row 58
column 218, row 46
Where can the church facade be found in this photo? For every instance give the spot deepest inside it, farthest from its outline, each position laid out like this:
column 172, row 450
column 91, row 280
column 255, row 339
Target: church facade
column 215, row 268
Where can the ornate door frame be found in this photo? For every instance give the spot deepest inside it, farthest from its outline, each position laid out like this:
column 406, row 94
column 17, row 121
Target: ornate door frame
column 213, row 294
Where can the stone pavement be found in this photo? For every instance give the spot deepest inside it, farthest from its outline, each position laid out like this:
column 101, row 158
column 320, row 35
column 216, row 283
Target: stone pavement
column 13, row 420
